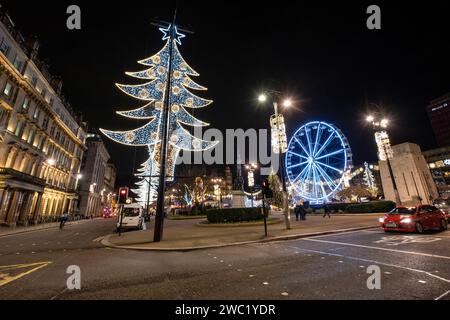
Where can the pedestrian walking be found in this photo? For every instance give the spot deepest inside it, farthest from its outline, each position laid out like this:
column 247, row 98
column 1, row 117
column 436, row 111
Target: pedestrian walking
column 326, row 213
column 63, row 219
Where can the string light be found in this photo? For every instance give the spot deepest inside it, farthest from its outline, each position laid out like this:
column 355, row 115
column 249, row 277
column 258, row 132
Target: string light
column 153, row 92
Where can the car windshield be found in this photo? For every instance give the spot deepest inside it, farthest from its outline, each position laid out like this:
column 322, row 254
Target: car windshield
column 410, row 210
column 131, row 212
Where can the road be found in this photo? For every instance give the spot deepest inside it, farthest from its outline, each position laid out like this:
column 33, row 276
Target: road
column 33, row 266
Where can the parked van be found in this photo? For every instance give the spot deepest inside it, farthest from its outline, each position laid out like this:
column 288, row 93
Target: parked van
column 132, row 217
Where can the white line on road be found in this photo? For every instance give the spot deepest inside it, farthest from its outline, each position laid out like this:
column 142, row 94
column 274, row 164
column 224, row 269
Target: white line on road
column 375, row 262
column 378, row 248
column 442, row 295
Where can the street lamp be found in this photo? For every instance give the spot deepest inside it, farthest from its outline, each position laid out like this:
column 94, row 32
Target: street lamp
column 385, row 152
column 51, row 162
column 279, row 141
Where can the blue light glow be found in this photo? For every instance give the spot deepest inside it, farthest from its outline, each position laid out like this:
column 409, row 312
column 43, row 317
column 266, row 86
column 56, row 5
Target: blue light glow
column 317, row 157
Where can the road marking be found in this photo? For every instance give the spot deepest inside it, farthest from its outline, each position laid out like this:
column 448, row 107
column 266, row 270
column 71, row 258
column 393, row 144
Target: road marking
column 398, row 240
column 442, row 295
column 422, row 281
column 378, row 248
column 375, row 262
column 5, row 278
column 284, row 294
column 346, row 232
column 265, row 283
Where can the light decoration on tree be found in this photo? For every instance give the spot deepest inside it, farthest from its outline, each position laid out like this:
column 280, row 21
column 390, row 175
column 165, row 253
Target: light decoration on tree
column 153, row 94
column 369, row 179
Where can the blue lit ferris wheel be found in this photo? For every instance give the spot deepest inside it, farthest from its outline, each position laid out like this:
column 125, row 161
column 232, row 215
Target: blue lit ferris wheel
column 317, row 158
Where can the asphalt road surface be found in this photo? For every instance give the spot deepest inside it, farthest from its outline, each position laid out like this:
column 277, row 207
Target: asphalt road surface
column 33, row 266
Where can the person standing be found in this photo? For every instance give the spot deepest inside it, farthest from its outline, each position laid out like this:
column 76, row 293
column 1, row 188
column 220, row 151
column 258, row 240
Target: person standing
column 297, row 210
column 303, row 211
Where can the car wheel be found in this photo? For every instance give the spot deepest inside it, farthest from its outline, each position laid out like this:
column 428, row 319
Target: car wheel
column 444, row 225
column 419, row 227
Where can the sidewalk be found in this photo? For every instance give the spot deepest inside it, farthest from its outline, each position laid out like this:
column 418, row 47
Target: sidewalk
column 183, row 235
column 7, row 231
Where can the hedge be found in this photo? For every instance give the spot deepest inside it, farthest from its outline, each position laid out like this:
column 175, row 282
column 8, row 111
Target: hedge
column 371, row 207
column 234, row 215
column 336, row 207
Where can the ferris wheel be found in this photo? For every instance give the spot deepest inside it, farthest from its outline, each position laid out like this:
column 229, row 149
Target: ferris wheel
column 318, row 156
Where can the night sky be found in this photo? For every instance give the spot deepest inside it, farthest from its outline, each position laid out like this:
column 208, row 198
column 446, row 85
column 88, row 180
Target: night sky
column 322, row 54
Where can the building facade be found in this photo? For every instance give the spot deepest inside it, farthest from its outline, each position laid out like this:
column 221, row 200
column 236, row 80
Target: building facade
column 41, row 140
column 99, row 176
column 412, row 176
column 439, row 163
column 439, row 115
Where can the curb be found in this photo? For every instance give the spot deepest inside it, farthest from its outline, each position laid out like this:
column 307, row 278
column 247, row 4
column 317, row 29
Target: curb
column 8, row 234
column 239, row 225
column 108, row 244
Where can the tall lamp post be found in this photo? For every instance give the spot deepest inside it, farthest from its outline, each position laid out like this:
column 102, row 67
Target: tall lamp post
column 251, row 177
column 385, row 152
column 279, row 140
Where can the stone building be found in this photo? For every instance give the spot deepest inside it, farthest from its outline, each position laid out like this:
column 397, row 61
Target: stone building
column 439, row 163
column 97, row 185
column 412, row 176
column 41, row 139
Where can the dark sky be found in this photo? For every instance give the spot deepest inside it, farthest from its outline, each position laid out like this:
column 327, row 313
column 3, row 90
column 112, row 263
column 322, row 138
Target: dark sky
column 320, row 52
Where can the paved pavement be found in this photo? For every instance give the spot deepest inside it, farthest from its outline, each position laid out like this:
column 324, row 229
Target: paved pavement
column 191, row 234
column 34, row 265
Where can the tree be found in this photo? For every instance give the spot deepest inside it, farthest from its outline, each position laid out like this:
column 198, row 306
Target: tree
column 153, row 94
column 277, row 188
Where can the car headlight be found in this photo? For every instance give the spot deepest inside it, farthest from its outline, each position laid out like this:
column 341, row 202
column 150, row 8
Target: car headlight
column 406, row 220
column 381, row 220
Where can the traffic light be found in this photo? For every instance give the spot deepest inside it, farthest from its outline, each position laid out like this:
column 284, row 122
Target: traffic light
column 266, row 191
column 123, row 195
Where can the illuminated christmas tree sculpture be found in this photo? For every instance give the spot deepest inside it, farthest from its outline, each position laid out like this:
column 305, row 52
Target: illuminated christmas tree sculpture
column 369, row 180
column 153, row 93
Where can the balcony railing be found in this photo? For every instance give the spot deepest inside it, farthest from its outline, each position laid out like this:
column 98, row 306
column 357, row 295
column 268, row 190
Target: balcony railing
column 14, row 174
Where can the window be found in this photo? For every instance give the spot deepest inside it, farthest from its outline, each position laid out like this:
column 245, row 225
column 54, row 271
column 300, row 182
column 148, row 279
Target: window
column 34, row 81
column 17, row 63
column 36, row 113
column 4, row 47
column 44, row 92
column 25, row 104
column 31, row 136
column 18, row 128
column 45, row 124
column 8, row 89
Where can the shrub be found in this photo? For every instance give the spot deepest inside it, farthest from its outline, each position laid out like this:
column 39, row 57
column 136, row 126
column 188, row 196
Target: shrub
column 371, row 207
column 189, row 213
column 234, row 215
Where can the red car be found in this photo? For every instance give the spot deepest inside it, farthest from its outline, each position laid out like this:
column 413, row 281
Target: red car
column 414, row 219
